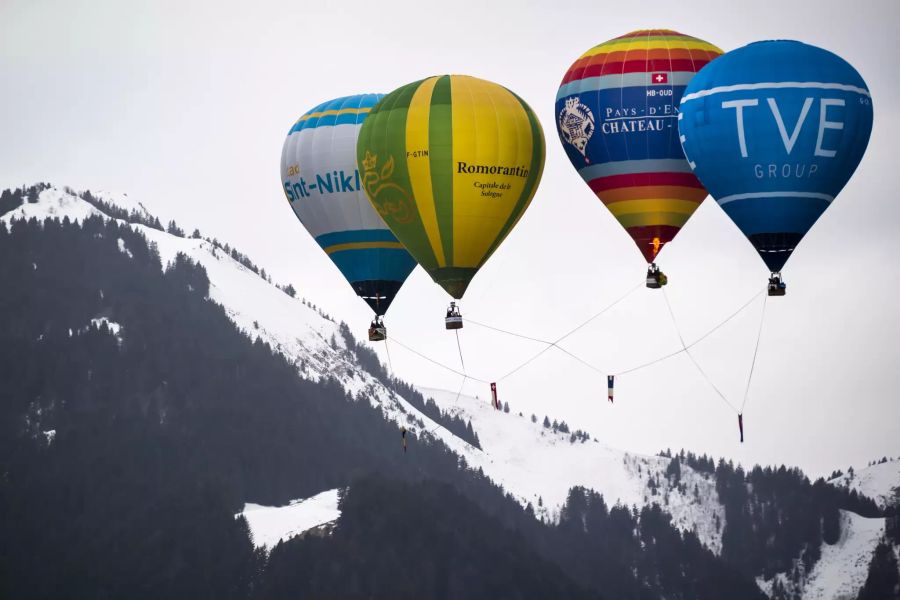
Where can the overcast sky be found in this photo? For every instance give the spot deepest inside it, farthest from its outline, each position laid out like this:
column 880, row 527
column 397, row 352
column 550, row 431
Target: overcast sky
column 185, row 106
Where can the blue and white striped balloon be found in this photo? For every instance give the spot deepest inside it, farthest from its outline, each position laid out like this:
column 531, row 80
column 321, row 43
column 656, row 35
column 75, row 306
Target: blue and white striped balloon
column 322, row 184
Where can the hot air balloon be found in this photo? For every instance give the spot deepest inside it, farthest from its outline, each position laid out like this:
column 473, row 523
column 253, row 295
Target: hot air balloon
column 617, row 110
column 451, row 163
column 774, row 130
column 318, row 172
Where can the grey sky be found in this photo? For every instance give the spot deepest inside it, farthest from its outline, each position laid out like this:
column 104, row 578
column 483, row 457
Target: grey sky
column 185, row 106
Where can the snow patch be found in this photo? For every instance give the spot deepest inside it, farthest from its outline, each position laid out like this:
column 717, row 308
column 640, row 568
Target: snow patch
column 114, row 328
column 124, row 249
column 271, row 524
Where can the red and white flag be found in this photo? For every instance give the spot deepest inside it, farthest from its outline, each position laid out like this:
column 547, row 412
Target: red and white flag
column 659, row 78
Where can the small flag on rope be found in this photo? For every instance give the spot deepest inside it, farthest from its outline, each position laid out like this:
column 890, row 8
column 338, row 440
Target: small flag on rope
column 609, row 380
column 494, row 401
column 741, row 426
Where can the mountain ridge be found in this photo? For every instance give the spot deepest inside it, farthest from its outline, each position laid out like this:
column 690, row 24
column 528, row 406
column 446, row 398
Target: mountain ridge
column 321, row 349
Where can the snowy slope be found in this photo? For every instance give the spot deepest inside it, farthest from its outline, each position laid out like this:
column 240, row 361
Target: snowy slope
column 534, row 462
column 843, row 568
column 880, row 482
column 271, row 524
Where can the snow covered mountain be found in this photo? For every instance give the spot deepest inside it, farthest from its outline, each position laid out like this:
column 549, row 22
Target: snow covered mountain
column 536, row 464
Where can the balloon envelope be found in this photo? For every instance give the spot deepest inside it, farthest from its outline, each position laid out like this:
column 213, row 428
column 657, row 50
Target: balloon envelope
column 617, row 119
column 774, row 130
column 320, row 180
column 451, row 163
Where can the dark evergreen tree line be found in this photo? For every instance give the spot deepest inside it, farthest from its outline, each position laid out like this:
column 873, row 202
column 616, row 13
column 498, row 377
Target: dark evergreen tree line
column 381, row 548
column 605, row 541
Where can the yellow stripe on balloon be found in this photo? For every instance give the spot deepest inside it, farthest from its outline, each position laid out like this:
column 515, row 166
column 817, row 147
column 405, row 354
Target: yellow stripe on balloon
column 642, row 44
column 342, row 111
column 651, row 205
column 645, row 219
column 419, row 164
column 478, row 216
column 363, row 246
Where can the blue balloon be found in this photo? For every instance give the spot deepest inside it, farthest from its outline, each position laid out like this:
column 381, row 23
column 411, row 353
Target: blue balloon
column 774, row 130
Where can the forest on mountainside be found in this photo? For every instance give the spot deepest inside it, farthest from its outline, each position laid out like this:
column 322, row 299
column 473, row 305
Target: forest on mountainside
column 136, row 420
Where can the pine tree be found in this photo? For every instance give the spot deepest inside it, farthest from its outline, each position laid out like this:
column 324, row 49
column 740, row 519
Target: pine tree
column 673, row 472
column 883, row 581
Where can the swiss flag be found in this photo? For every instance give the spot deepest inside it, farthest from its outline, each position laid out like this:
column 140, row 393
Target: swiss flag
column 658, row 78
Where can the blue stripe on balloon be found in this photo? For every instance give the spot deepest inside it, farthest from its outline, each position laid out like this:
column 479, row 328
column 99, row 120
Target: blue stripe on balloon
column 628, row 167
column 385, row 264
column 350, row 237
column 617, row 145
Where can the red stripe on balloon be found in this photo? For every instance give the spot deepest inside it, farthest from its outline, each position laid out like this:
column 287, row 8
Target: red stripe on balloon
column 638, row 179
column 633, row 66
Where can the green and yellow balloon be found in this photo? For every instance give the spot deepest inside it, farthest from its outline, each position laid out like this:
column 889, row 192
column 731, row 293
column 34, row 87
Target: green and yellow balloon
column 451, row 163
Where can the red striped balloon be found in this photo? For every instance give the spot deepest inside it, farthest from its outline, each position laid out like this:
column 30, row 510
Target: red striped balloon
column 617, row 117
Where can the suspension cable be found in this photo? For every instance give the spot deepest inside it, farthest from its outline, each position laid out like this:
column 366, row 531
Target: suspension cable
column 387, row 349
column 459, row 347
column 438, row 363
column 762, row 319
column 693, row 360
column 555, row 344
column 695, row 342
